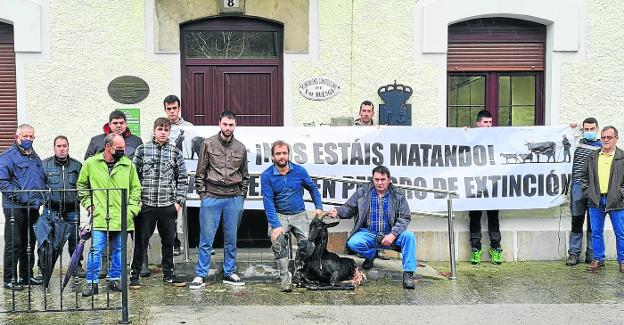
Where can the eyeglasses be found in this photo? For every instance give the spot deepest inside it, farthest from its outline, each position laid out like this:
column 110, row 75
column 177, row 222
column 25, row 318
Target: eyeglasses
column 607, row 137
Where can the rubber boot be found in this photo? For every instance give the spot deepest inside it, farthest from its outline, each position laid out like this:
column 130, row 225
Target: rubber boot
column 285, row 277
column 145, row 271
column 303, row 252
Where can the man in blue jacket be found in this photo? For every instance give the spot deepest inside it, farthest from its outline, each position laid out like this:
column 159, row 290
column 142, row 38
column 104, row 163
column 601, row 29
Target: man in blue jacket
column 282, row 191
column 382, row 216
column 20, row 169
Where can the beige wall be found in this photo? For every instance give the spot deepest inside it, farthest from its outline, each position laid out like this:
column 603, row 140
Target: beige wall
column 365, row 45
column 592, row 83
column 67, row 94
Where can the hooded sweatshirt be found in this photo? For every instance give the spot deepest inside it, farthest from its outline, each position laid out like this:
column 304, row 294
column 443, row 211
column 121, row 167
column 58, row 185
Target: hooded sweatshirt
column 97, row 142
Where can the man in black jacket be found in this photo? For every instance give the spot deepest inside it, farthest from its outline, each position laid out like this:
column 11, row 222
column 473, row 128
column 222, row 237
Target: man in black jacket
column 61, row 173
column 116, row 124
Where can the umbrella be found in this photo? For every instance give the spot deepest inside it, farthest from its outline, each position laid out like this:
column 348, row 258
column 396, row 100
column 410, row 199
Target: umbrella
column 85, row 234
column 51, row 233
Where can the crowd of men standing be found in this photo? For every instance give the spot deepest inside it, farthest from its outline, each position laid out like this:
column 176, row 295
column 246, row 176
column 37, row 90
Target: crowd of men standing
column 153, row 174
column 156, row 180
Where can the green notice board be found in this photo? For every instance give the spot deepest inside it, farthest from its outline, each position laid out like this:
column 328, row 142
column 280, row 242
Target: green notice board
column 133, row 118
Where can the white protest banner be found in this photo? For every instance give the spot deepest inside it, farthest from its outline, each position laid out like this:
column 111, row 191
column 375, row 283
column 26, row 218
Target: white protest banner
column 489, row 168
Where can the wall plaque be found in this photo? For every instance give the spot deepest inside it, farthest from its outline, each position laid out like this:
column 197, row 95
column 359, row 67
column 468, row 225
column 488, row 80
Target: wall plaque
column 318, row 88
column 128, row 89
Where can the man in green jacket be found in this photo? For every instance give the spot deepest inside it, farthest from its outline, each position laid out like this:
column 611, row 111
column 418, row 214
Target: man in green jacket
column 105, row 170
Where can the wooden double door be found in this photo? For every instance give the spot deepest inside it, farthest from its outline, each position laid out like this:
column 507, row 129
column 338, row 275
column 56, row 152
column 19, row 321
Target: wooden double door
column 235, row 64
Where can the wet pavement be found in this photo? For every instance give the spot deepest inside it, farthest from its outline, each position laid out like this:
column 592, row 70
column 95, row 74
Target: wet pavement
column 516, row 293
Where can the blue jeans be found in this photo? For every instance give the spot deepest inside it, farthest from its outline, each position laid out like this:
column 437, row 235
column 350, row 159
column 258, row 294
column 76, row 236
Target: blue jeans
column 94, row 258
column 210, row 214
column 364, row 243
column 597, row 218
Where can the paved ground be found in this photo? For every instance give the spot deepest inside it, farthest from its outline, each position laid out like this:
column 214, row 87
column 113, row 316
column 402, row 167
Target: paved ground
column 513, row 293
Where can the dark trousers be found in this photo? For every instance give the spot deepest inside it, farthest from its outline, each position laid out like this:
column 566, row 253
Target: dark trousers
column 493, row 229
column 577, row 224
column 151, row 217
column 18, row 249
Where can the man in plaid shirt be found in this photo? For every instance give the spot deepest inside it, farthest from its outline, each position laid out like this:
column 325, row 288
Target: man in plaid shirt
column 164, row 183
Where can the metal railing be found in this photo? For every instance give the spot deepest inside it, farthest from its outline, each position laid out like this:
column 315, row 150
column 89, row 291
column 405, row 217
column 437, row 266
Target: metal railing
column 449, row 215
column 33, row 296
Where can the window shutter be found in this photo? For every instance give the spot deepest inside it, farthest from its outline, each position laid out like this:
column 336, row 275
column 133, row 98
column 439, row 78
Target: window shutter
column 495, row 57
column 496, row 44
column 8, row 92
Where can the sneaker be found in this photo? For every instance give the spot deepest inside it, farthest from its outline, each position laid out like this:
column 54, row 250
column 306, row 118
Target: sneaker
column 174, row 281
column 13, row 286
column 176, row 251
column 475, row 256
column 114, row 285
column 496, row 255
column 233, row 279
column 213, row 252
column 198, row 283
column 572, row 260
column 408, row 280
column 134, row 283
column 368, row 264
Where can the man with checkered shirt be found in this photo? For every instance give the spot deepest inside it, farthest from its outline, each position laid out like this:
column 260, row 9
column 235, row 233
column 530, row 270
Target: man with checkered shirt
column 164, row 183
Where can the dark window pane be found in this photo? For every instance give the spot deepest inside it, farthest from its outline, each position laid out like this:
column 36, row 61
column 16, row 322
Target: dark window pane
column 452, row 118
column 504, row 95
column 231, row 45
column 523, row 90
column 516, row 115
column 523, row 116
column 477, row 91
column 466, row 99
column 452, row 97
column 504, row 116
